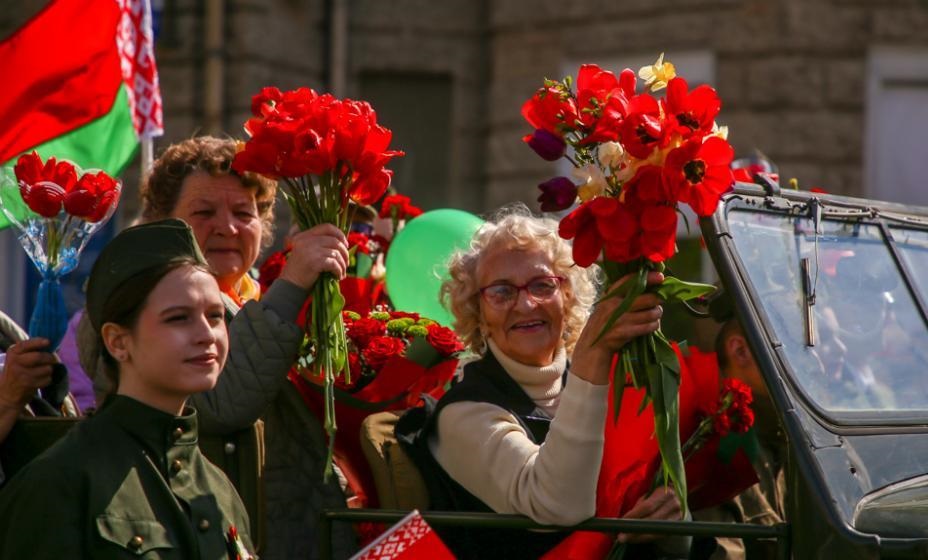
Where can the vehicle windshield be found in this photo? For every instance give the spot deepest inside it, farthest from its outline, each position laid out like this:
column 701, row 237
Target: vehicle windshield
column 870, row 351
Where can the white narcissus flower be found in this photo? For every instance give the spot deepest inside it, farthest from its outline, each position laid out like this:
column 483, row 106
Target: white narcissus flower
column 593, row 182
column 658, row 74
column 379, row 269
column 611, row 154
column 720, row 131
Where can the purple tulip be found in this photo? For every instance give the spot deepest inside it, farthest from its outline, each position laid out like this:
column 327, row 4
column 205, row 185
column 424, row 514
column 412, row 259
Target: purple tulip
column 557, row 194
column 549, row 146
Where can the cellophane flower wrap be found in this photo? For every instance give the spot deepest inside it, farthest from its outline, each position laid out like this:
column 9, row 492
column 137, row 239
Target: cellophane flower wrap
column 636, row 157
column 55, row 207
column 326, row 151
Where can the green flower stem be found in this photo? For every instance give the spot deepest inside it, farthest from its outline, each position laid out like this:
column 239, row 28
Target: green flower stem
column 324, row 316
column 652, row 363
column 51, row 245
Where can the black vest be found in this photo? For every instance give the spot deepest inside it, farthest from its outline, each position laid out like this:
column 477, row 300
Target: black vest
column 484, row 381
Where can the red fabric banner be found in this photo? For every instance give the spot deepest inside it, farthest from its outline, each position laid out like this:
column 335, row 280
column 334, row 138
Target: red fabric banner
column 631, row 457
column 60, row 71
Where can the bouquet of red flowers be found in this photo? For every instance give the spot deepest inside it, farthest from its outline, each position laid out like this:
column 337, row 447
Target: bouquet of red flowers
column 327, row 151
column 56, row 207
column 636, row 159
column 395, row 358
column 715, row 473
column 398, row 208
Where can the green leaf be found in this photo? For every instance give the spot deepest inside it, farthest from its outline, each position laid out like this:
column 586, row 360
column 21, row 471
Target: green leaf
column 614, row 270
column 665, row 354
column 363, row 265
column 673, row 290
column 731, row 443
column 665, row 385
column 422, row 353
column 635, row 289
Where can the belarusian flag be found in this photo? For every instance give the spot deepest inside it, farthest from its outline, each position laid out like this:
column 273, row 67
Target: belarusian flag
column 410, row 539
column 80, row 83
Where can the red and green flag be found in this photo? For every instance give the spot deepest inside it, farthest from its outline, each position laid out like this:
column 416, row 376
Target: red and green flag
column 80, row 83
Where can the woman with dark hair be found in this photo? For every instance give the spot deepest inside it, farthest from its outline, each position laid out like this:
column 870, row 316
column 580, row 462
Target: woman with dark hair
column 231, row 216
column 130, row 480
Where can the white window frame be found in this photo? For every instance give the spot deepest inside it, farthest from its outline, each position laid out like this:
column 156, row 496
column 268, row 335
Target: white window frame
column 887, row 66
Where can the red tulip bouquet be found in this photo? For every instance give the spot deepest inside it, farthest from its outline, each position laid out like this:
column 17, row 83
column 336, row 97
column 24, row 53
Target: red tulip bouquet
column 326, row 151
column 56, row 207
column 636, row 158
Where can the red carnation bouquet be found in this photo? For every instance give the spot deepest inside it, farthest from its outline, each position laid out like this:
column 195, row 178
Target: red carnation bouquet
column 636, row 157
column 384, row 349
column 731, row 414
column 395, row 358
column 56, row 207
column 326, row 151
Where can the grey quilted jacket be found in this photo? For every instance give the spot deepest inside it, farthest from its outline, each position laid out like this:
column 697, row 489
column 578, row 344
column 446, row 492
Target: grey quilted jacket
column 263, row 343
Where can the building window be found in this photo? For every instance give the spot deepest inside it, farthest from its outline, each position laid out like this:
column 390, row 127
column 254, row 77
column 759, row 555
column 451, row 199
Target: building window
column 417, row 108
column 897, row 94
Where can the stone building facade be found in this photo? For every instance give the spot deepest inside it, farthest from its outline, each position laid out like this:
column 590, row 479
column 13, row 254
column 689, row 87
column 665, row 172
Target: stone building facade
column 833, row 91
column 793, row 75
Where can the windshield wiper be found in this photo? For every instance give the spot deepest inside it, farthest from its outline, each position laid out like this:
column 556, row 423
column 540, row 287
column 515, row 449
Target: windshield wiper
column 808, row 282
column 808, row 291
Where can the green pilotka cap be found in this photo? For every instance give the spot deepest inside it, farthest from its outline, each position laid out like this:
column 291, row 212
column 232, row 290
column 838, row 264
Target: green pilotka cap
column 132, row 252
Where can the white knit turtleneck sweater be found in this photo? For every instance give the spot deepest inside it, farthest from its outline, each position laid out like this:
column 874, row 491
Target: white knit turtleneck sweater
column 483, row 447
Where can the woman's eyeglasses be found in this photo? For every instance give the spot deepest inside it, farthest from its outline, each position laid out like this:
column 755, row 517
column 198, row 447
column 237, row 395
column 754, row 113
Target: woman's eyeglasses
column 540, row 289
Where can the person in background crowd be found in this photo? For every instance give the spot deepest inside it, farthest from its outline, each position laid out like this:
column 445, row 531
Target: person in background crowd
column 130, row 480
column 25, row 367
column 519, row 302
column 765, row 502
column 231, row 217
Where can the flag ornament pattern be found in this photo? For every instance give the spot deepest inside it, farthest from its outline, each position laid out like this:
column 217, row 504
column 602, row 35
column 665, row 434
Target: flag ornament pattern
column 410, row 539
column 137, row 64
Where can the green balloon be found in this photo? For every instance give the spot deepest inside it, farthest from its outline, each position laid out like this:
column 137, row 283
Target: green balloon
column 417, row 262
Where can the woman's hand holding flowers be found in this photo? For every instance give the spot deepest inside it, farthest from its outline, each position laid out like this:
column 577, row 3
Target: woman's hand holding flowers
column 662, row 504
column 592, row 359
column 322, row 248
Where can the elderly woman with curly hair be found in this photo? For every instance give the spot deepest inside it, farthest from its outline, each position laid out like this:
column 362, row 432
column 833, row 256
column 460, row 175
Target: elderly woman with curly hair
column 523, row 430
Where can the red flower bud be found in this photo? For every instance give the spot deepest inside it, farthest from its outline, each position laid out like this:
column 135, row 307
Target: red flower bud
column 44, row 198
column 557, row 194
column 444, row 340
column 380, row 349
column 549, row 146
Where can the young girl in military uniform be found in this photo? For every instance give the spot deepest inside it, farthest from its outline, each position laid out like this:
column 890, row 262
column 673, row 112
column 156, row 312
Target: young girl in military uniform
column 130, row 481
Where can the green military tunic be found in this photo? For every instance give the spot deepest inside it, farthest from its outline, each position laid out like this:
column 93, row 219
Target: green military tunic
column 764, row 503
column 128, row 482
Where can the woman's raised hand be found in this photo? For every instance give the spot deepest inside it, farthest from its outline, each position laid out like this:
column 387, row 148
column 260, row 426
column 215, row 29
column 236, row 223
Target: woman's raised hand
column 322, row 248
column 592, row 360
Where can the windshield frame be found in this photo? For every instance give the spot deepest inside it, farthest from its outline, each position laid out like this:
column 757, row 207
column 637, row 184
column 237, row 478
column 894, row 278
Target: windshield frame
column 769, row 351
